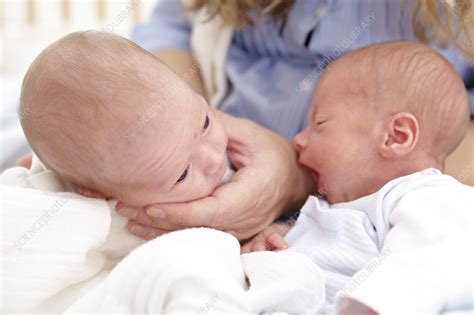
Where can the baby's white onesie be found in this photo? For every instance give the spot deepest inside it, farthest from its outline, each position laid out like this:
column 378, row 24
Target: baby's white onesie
column 340, row 241
column 407, row 245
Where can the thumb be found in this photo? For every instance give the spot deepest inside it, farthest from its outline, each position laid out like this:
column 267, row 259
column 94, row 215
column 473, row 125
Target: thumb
column 206, row 211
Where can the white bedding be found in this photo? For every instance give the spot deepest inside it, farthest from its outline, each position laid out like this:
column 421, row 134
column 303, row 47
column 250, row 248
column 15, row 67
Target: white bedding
column 62, row 251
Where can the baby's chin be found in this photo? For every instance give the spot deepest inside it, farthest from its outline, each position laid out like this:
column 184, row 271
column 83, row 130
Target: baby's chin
column 326, row 193
column 333, row 199
column 219, row 178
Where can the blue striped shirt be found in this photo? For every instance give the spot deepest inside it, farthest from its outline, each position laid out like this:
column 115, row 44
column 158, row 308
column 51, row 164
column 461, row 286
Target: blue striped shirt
column 272, row 68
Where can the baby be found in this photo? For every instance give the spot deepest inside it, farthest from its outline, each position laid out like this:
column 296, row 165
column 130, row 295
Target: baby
column 383, row 119
column 107, row 115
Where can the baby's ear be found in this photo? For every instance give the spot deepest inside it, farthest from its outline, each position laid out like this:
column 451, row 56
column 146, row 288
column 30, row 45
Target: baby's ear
column 400, row 136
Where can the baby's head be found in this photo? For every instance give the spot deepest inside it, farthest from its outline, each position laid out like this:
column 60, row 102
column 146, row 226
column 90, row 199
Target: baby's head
column 105, row 114
column 382, row 112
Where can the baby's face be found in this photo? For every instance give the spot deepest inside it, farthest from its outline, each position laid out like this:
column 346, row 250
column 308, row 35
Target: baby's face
column 338, row 146
column 182, row 151
column 132, row 129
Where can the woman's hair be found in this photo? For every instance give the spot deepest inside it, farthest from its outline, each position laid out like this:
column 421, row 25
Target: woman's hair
column 445, row 21
column 240, row 12
column 434, row 21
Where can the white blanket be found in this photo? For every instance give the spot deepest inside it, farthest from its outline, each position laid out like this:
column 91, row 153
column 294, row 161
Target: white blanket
column 62, row 251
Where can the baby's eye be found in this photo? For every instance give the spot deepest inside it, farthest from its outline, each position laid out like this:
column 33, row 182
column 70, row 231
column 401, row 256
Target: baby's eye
column 206, row 123
column 319, row 123
column 183, row 176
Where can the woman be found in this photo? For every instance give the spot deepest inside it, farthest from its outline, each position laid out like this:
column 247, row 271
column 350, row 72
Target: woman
column 260, row 60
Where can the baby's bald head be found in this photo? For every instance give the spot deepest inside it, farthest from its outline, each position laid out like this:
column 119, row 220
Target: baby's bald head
column 409, row 77
column 379, row 113
column 79, row 98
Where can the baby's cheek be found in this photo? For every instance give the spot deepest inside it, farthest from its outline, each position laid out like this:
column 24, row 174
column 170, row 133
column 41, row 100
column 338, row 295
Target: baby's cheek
column 207, row 188
column 201, row 188
column 220, row 133
column 311, row 154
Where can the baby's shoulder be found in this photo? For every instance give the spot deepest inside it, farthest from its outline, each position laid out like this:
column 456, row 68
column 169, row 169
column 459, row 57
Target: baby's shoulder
column 427, row 182
column 429, row 189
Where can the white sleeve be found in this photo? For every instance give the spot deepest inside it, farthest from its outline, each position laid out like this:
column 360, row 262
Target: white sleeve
column 425, row 265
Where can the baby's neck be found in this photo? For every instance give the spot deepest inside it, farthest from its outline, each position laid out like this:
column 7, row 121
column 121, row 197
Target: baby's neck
column 388, row 171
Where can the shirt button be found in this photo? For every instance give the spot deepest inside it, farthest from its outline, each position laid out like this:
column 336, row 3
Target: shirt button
column 319, row 12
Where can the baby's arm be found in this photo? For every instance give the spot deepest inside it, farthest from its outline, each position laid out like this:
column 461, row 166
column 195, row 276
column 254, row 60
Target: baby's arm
column 270, row 238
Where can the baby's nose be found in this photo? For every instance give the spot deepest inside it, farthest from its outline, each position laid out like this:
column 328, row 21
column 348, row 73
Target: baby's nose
column 300, row 141
column 212, row 160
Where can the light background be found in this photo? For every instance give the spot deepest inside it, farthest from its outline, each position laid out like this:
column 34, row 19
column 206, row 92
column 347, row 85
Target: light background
column 29, row 26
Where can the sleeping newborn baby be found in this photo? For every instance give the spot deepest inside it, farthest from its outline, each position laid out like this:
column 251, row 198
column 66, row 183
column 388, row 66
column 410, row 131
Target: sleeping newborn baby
column 392, row 231
column 105, row 114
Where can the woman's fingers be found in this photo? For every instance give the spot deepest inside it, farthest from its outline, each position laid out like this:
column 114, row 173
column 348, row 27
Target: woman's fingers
column 200, row 212
column 91, row 193
column 143, row 231
column 233, row 207
column 140, row 216
column 218, row 210
column 243, row 207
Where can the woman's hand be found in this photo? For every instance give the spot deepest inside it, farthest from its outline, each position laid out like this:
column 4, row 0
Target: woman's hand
column 270, row 238
column 268, row 181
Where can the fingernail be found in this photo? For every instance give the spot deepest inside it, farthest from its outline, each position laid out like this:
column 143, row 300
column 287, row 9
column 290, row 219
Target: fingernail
column 139, row 231
column 156, row 213
column 128, row 212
